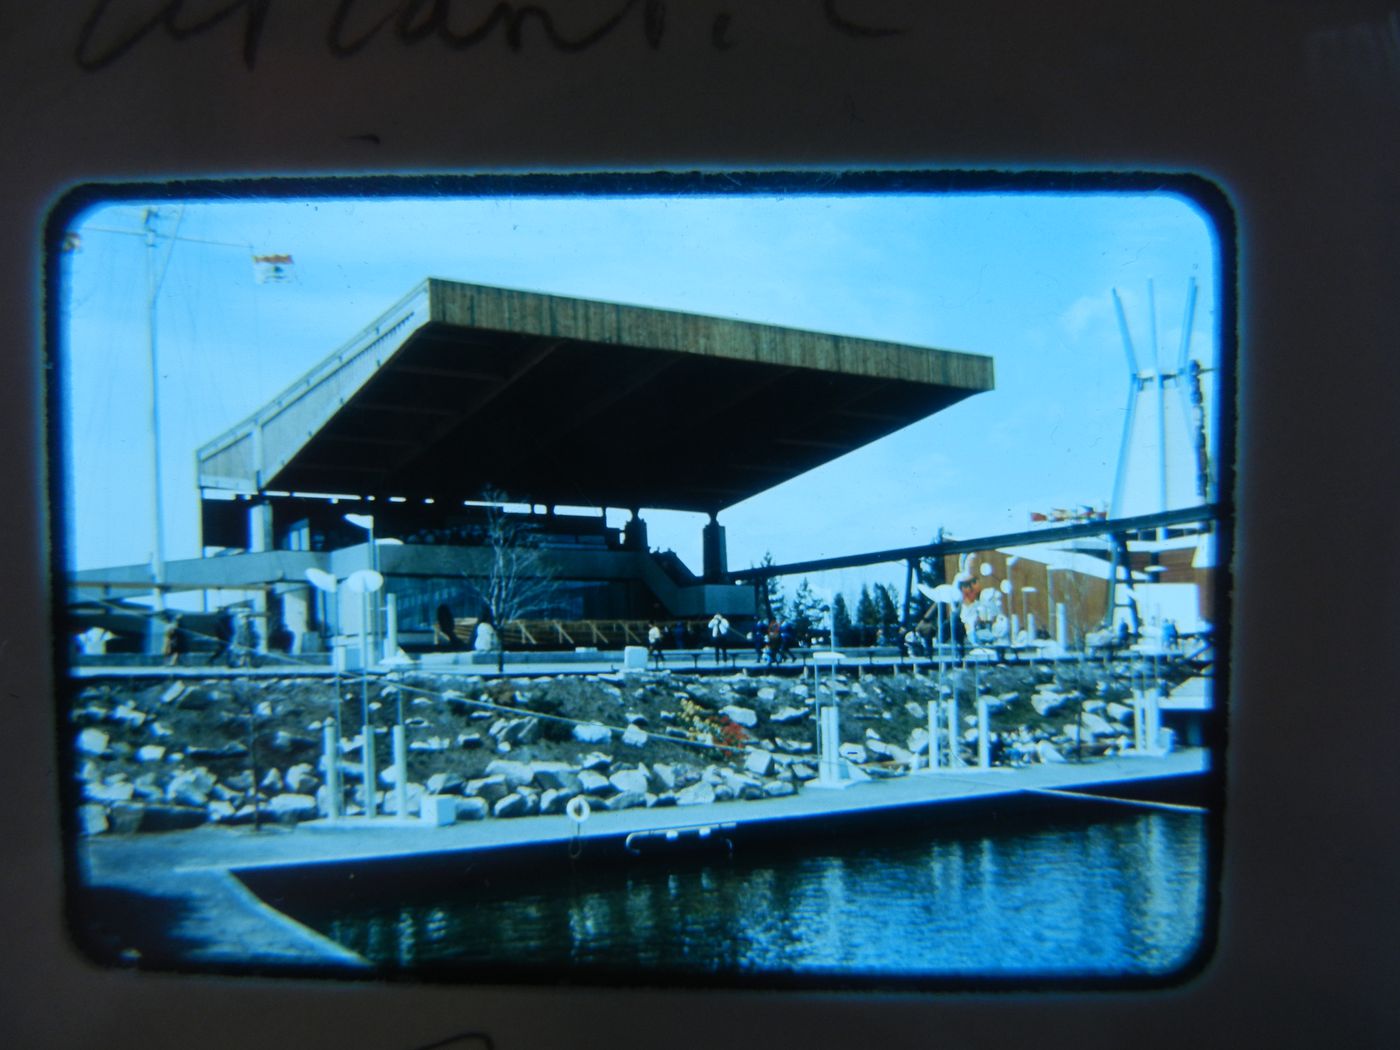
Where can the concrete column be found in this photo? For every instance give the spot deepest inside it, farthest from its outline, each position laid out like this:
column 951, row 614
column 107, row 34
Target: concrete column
column 260, row 527
column 391, row 626
column 296, row 608
column 716, row 554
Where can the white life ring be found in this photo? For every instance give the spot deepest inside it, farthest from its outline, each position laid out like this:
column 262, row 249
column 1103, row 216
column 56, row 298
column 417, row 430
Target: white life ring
column 578, row 809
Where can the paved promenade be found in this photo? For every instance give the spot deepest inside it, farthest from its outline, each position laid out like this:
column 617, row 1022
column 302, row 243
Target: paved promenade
column 214, row 920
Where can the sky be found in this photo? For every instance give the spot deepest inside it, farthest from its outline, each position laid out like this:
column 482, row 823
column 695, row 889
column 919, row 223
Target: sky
column 1024, row 278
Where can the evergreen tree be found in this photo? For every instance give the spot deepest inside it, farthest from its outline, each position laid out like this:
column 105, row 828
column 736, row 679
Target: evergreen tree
column 806, row 609
column 773, row 587
column 841, row 620
column 867, row 615
column 886, row 608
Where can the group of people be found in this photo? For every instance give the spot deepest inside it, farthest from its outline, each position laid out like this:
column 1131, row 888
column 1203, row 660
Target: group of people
column 235, row 639
column 773, row 639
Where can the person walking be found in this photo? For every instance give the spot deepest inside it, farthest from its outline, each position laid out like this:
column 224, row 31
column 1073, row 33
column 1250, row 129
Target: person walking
column 654, row 637
column 719, row 631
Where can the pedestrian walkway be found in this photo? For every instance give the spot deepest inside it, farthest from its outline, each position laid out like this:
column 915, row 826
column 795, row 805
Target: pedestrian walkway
column 221, row 923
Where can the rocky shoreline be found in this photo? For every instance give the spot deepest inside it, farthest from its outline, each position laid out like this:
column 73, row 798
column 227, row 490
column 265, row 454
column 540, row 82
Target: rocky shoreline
column 156, row 754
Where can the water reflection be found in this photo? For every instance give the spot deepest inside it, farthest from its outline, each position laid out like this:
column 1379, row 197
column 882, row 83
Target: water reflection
column 1117, row 896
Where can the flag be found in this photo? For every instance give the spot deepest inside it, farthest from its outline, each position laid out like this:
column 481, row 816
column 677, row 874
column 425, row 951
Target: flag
column 272, row 269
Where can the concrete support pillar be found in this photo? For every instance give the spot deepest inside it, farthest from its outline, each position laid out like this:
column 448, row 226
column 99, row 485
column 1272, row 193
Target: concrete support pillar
column 261, row 620
column 391, row 626
column 260, row 536
column 1061, row 624
column 296, row 614
column 715, row 553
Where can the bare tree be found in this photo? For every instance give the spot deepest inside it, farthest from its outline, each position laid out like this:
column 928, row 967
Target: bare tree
column 521, row 579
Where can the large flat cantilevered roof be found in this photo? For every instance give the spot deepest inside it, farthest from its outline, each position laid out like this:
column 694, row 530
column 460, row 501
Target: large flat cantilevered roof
column 579, row 402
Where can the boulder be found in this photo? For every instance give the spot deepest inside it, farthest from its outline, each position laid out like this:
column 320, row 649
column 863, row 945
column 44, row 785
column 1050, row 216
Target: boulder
column 92, row 819
column 665, row 775
column 793, row 747
column 430, row 743
column 131, row 816
column 634, row 736
column 592, row 733
column 852, row 753
column 517, row 732
column 779, row 788
column 554, row 800
column 744, row 716
column 557, row 775
column 785, row 715
column 802, row 771
column 636, row 718
column 445, row 784
column 93, row 742
column 130, row 716
column 491, row 789
column 591, row 782
column 1119, row 712
column 472, row 809
column 1047, row 752
column 1097, row 724
column 232, row 749
column 626, row 800
column 695, row 795
column 890, row 752
column 758, row 763
column 271, row 781
column 596, row 761
column 918, row 740
column 629, row 781
column 190, row 788
column 768, row 693
column 517, row 774
column 301, row 779
column 284, row 741
column 512, row 805
column 150, row 753
column 1045, row 702
column 291, row 808
column 469, row 741
column 108, row 792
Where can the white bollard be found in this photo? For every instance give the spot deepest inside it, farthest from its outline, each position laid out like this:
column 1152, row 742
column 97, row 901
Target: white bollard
column 933, row 730
column 954, row 750
column 400, row 772
column 331, row 747
column 371, row 774
column 984, row 744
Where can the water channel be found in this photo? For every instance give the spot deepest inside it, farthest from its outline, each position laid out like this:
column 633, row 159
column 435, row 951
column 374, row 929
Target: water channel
column 1090, row 892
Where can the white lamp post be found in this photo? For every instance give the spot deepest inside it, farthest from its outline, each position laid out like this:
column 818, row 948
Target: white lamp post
column 331, row 732
column 365, row 582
